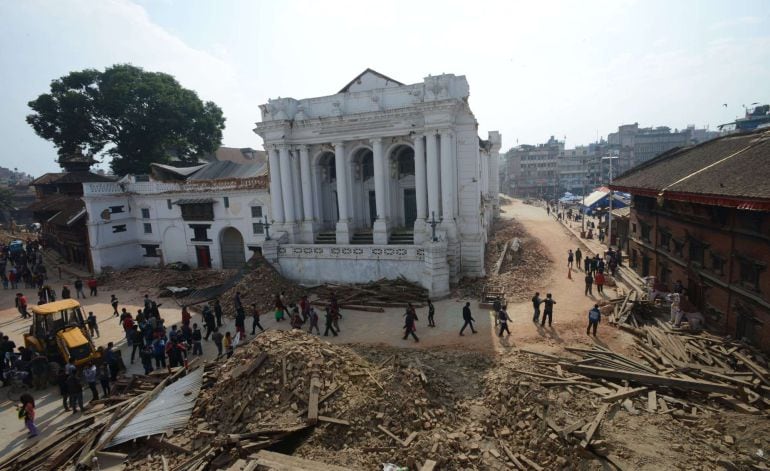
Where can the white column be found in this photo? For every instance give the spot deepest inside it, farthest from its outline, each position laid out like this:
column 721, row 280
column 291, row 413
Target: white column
column 447, row 178
column 420, row 189
column 307, row 184
column 286, row 184
column 433, row 169
column 340, row 165
column 276, row 196
column 296, row 184
column 380, row 230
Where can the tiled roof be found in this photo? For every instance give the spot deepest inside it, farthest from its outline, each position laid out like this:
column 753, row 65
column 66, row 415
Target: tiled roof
column 70, row 177
column 734, row 168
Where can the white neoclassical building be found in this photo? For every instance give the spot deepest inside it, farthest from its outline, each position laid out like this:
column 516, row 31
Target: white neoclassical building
column 359, row 181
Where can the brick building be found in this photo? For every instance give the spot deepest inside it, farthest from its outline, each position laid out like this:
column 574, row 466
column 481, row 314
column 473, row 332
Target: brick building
column 702, row 215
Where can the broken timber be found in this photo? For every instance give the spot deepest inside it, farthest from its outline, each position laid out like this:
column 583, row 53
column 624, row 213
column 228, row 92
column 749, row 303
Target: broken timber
column 651, row 379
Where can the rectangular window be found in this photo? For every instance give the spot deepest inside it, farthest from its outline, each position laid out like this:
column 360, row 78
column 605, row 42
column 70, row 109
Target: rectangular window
column 633, row 228
column 200, row 232
column 258, row 228
column 198, row 212
column 678, row 247
column 226, row 200
column 697, row 251
column 119, row 228
column 168, row 203
column 749, row 272
column 717, row 264
column 150, row 250
column 116, row 209
column 145, row 213
column 665, row 240
column 646, row 228
column 147, row 228
column 256, row 212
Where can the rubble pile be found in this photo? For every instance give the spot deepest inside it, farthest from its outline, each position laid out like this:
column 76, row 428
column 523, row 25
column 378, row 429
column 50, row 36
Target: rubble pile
column 373, row 296
column 260, row 284
column 520, row 276
column 154, row 280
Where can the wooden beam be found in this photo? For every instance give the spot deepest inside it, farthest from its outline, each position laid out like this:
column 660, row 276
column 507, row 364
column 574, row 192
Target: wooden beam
column 429, row 465
column 410, row 439
column 530, row 463
column 281, row 462
column 391, row 435
column 652, row 401
column 332, row 420
column 624, row 394
column 651, row 379
column 594, row 425
column 312, row 404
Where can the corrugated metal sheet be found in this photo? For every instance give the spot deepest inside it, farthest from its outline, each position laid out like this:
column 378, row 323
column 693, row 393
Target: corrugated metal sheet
column 170, row 410
column 226, row 169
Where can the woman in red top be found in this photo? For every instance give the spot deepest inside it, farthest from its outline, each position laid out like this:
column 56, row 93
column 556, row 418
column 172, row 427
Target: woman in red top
column 599, row 281
column 186, row 316
column 28, row 412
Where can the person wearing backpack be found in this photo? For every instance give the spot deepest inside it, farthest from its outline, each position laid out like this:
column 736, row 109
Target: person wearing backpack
column 594, row 317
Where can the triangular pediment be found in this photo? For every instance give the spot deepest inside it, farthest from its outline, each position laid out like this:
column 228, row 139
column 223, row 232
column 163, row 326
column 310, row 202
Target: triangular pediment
column 370, row 80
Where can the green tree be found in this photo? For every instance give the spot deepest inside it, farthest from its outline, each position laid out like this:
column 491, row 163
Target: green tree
column 6, row 198
column 133, row 116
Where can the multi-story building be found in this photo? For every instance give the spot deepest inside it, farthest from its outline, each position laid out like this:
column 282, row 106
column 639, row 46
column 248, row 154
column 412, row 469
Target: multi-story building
column 637, row 145
column 702, row 215
column 534, row 170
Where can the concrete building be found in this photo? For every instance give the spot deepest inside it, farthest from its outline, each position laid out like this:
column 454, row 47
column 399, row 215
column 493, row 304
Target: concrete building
column 357, row 178
column 533, row 171
column 702, row 215
column 208, row 216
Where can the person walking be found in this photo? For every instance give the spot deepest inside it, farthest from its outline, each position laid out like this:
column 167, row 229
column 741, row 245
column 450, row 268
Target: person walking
column 587, row 264
column 65, row 292
column 502, row 317
column 114, row 303
column 197, row 345
column 159, row 352
column 146, row 357
column 468, row 319
column 93, row 286
column 589, row 284
column 409, row 323
column 104, row 379
column 599, row 281
column 570, row 259
column 186, row 317
column 209, row 321
column 218, row 313
column 90, row 376
column 217, row 338
column 548, row 310
column 431, row 313
column 594, row 317
column 279, row 308
column 304, row 308
column 27, row 411
column 228, row 344
column 93, row 325
column 112, row 361
column 313, row 318
column 21, row 305
column 255, row 320
column 240, row 322
column 61, row 380
column 329, row 322
column 536, row 301
column 578, row 258
column 75, row 390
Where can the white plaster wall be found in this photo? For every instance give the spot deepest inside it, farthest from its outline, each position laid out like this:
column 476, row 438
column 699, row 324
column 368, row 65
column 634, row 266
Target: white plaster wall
column 314, row 271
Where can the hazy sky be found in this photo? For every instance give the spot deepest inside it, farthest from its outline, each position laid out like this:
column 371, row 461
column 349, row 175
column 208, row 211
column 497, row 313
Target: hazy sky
column 536, row 69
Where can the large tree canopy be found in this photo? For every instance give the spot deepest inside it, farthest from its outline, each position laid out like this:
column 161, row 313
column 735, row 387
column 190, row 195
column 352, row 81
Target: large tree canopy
column 135, row 117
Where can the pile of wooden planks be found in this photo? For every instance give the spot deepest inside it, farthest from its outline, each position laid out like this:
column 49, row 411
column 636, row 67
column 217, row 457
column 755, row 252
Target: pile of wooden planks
column 372, row 297
column 79, row 442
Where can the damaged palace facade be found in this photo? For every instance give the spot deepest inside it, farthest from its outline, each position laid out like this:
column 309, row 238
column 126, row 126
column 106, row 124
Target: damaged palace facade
column 358, row 183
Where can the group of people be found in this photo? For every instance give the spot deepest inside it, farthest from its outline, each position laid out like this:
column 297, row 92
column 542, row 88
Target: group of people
column 22, row 262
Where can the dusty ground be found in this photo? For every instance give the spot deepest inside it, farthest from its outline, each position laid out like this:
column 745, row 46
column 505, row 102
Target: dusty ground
column 485, row 394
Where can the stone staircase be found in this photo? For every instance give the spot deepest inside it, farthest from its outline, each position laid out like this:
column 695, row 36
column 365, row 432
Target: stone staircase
column 401, row 237
column 363, row 238
column 329, row 237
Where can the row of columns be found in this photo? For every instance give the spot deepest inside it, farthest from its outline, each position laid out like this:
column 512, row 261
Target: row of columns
column 293, row 193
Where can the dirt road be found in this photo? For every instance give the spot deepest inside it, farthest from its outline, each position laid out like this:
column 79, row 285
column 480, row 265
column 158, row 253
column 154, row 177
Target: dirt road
column 570, row 316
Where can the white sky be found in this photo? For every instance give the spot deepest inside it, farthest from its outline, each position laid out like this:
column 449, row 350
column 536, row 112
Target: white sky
column 535, row 68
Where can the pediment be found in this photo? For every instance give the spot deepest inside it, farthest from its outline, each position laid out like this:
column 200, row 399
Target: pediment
column 370, row 80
